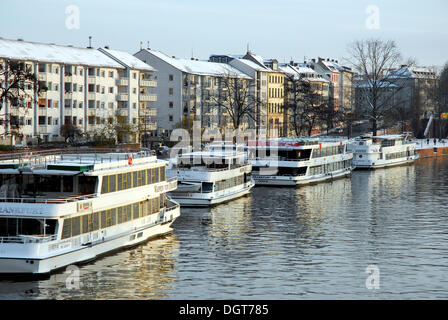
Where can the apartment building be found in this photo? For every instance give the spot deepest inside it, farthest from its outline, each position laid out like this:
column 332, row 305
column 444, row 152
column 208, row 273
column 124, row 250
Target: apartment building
column 188, row 90
column 80, row 87
column 276, row 112
column 259, row 90
column 300, row 72
column 136, row 96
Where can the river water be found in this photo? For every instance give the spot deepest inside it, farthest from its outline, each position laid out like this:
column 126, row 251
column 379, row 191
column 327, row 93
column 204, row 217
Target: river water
column 313, row 242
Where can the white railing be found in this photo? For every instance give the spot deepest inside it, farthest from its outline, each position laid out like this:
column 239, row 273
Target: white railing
column 49, row 201
column 28, row 239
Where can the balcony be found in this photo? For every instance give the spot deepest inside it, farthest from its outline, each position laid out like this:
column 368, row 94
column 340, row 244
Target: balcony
column 148, row 83
column 91, row 79
column 149, row 112
column 122, row 82
column 150, row 126
column 148, row 97
column 121, row 112
column 122, row 97
column 43, row 129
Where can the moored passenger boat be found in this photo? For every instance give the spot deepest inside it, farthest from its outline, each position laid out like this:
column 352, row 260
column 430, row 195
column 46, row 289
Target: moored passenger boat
column 382, row 151
column 62, row 209
column 301, row 161
column 215, row 175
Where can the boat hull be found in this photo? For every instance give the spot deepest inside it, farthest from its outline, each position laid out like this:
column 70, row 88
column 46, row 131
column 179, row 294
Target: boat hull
column 298, row 181
column 205, row 200
column 361, row 166
column 36, row 265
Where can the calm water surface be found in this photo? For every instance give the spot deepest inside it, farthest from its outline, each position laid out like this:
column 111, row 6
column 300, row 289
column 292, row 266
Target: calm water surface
column 313, row 242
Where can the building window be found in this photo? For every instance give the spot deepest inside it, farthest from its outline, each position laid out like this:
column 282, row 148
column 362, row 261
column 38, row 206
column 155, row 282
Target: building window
column 134, row 75
column 111, row 89
column 170, row 91
column 170, row 117
column 171, row 104
column 111, row 74
column 171, row 77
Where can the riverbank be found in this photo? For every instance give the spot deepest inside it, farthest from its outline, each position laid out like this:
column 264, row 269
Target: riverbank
column 427, row 148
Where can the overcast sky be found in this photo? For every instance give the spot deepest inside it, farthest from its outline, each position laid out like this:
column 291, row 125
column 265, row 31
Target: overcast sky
column 281, row 29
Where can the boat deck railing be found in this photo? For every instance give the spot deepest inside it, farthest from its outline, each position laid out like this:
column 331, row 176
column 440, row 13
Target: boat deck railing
column 41, row 158
column 49, row 200
column 28, row 239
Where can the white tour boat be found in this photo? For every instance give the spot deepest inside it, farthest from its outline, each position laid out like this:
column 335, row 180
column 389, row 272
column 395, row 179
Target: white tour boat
column 382, row 151
column 299, row 161
column 217, row 174
column 62, row 209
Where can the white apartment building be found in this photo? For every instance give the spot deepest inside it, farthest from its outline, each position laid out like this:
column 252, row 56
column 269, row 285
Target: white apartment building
column 136, row 94
column 83, row 88
column 188, row 90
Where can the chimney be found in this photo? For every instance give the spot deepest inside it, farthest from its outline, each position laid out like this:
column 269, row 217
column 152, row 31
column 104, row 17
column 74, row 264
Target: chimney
column 107, row 47
column 90, row 42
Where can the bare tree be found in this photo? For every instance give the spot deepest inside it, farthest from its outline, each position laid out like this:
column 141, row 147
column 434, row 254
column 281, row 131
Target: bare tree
column 236, row 98
column 307, row 109
column 376, row 61
column 19, row 92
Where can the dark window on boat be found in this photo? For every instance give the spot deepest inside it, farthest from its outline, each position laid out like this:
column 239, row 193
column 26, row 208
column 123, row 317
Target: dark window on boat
column 134, row 179
column 67, row 184
column 284, row 171
column 113, row 183
column 86, row 185
column 207, row 186
column 128, row 213
column 76, row 226
column 135, row 211
column 85, row 223
column 27, row 226
column 67, row 229
column 96, row 221
column 49, row 184
column 120, row 215
column 162, row 173
column 103, row 219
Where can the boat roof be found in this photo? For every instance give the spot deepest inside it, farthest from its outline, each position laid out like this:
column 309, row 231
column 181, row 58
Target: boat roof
column 74, row 163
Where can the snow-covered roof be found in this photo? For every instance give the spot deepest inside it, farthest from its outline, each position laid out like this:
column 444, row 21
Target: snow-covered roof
column 413, row 72
column 52, row 53
column 199, row 67
column 253, row 65
column 127, row 59
column 303, row 72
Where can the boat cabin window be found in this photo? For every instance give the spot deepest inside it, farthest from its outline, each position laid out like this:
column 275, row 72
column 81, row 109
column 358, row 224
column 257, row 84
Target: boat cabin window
column 134, row 179
column 285, row 171
column 27, row 226
column 294, row 154
column 87, row 185
column 29, row 185
column 207, row 186
column 387, row 143
column 327, row 151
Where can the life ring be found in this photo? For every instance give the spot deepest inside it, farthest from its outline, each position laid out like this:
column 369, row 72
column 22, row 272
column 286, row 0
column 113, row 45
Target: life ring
column 130, row 160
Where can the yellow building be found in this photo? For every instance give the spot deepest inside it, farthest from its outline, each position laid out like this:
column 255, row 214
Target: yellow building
column 275, row 104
